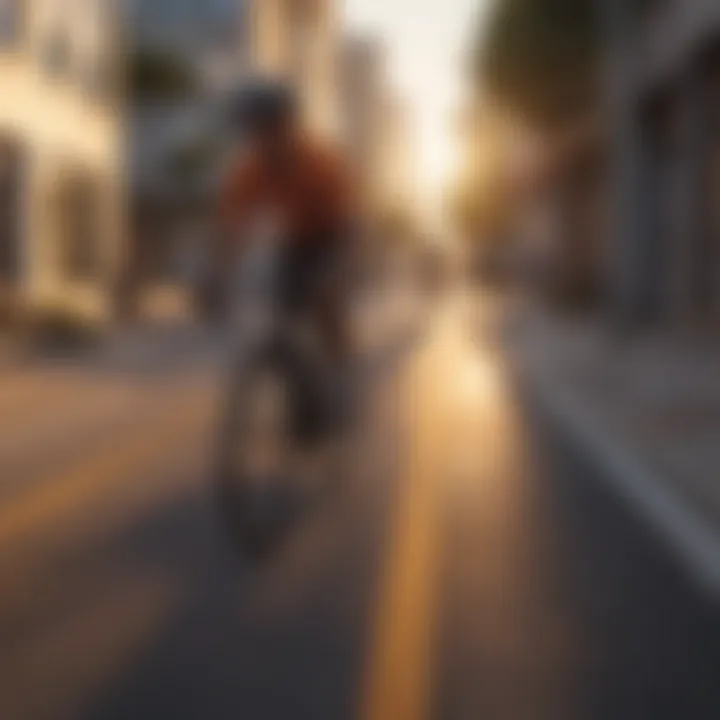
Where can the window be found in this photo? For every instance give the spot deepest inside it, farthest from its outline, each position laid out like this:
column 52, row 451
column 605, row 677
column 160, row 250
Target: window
column 11, row 21
column 78, row 226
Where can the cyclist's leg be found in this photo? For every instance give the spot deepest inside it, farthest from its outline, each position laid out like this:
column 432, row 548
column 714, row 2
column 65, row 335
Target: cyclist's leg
column 333, row 317
column 332, row 300
column 297, row 305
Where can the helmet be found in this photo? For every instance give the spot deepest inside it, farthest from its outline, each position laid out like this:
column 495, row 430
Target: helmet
column 263, row 105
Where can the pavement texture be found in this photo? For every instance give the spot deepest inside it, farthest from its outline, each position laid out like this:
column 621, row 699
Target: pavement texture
column 654, row 407
column 468, row 563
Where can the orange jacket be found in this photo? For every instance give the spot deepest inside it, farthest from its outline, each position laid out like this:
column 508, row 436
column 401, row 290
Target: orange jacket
column 312, row 197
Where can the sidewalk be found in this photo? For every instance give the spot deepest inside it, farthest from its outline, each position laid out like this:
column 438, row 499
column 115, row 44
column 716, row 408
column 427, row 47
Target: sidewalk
column 141, row 348
column 647, row 409
column 170, row 339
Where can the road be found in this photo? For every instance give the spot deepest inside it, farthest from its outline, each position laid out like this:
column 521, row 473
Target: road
column 467, row 565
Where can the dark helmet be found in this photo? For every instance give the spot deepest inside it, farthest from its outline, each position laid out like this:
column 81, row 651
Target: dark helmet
column 263, row 105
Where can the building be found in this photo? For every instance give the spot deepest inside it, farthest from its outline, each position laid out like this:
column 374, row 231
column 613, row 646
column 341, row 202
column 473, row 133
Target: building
column 563, row 217
column 363, row 93
column 378, row 138
column 663, row 81
column 61, row 196
column 635, row 197
column 398, row 160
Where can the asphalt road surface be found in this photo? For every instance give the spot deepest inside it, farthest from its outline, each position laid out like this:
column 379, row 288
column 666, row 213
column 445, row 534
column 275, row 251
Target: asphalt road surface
column 467, row 564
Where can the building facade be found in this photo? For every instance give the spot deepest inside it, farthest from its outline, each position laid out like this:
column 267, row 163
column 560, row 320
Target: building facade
column 363, row 95
column 398, row 166
column 61, row 197
column 663, row 84
column 378, row 136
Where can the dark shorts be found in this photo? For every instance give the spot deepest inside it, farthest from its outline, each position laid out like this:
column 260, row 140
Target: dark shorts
column 309, row 272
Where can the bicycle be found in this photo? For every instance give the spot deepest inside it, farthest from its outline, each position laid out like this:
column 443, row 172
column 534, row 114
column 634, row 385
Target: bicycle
column 277, row 415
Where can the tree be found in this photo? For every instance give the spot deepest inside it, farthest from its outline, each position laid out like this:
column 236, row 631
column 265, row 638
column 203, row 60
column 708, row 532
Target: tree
column 194, row 159
column 540, row 59
column 160, row 76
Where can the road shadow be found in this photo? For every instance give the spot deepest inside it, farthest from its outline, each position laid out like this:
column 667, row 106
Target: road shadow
column 651, row 635
column 157, row 617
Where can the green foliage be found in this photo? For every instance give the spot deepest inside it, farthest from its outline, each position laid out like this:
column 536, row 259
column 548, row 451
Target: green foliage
column 158, row 76
column 194, row 160
column 540, row 58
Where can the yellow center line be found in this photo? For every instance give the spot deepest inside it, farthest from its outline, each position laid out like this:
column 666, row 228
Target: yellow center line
column 399, row 679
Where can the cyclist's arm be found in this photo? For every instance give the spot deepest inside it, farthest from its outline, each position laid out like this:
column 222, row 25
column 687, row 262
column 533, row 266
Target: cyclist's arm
column 238, row 199
column 232, row 212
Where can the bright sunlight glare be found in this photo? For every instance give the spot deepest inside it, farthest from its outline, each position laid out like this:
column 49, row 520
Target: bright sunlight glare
column 426, row 40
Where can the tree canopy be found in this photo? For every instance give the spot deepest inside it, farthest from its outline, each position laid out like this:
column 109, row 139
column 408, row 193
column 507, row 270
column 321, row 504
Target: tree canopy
column 161, row 76
column 540, row 58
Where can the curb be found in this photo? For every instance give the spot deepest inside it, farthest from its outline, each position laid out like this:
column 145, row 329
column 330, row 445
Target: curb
column 693, row 540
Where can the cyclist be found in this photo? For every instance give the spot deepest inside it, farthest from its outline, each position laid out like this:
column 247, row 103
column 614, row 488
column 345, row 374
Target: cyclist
column 304, row 183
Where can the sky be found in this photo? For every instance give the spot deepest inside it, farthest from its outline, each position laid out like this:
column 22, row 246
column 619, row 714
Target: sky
column 427, row 41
